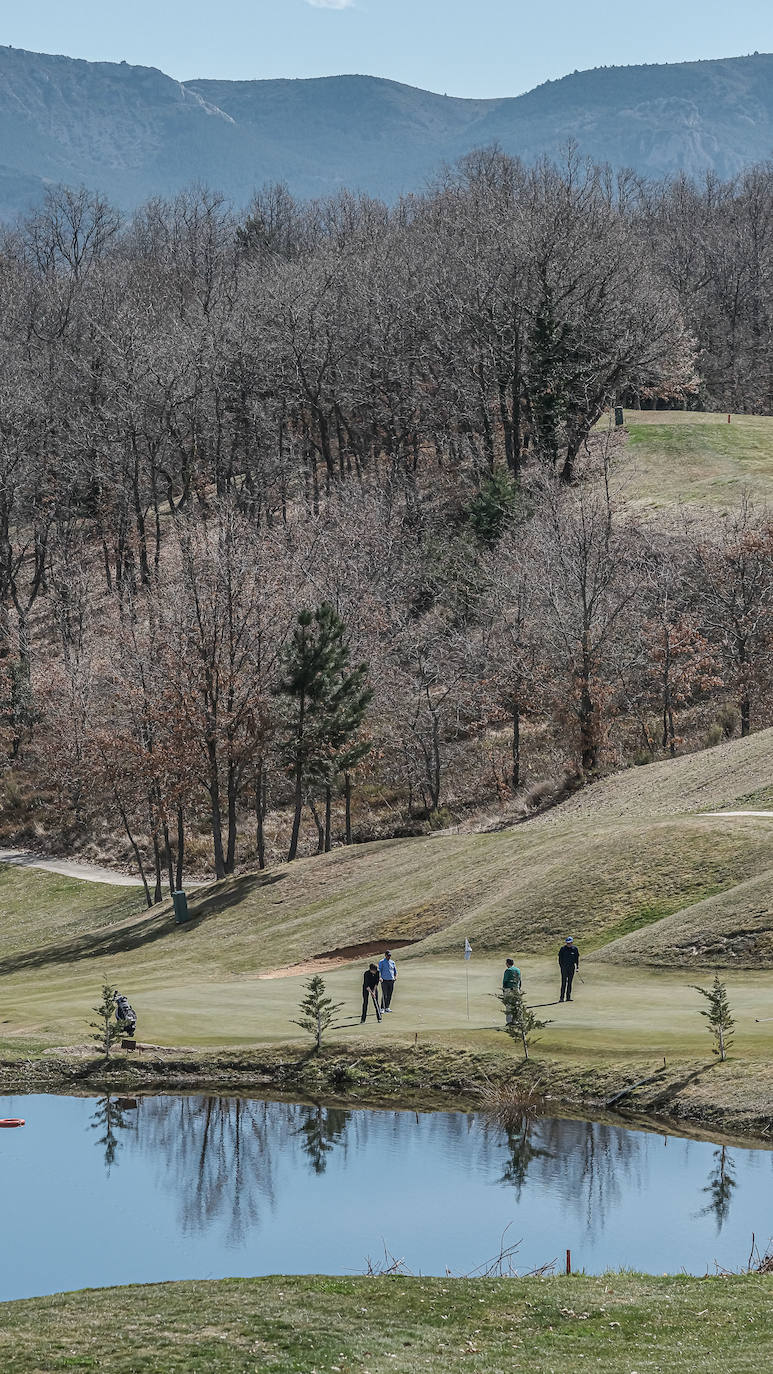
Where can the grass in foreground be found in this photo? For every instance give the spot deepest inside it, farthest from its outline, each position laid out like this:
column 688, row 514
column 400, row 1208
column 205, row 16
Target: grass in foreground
column 619, row 1323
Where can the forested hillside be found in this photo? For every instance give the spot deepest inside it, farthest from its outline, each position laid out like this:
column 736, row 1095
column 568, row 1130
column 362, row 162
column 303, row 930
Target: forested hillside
column 133, row 132
column 313, row 528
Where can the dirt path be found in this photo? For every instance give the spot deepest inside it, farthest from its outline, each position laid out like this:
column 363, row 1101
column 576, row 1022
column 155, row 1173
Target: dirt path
column 69, row 868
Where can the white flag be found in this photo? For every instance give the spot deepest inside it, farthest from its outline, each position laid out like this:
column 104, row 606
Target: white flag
column 467, row 948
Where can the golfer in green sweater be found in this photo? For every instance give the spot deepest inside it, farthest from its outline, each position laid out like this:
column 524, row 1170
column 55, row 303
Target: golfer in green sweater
column 511, row 981
column 511, row 978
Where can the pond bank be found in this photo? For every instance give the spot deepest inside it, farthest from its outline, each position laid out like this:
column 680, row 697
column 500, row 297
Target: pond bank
column 618, row 1322
column 732, row 1099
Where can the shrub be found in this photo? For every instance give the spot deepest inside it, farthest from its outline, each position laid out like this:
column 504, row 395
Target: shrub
column 728, row 720
column 520, row 1021
column 317, row 1010
column 492, row 507
column 105, row 1031
column 719, row 1015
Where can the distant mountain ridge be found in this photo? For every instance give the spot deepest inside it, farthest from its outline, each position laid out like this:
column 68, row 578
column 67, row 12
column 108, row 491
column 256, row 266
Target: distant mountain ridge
column 131, row 132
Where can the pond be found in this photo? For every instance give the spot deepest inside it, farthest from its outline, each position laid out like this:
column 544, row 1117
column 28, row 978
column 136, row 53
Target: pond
column 102, row 1191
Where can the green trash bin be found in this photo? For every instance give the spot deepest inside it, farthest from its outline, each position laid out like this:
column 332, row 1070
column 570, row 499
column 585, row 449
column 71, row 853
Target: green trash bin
column 180, row 908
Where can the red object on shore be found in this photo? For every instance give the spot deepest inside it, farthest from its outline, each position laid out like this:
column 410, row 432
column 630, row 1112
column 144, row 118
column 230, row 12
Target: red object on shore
column 11, row 1121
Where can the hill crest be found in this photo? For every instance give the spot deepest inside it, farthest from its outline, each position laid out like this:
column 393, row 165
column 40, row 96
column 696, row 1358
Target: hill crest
column 132, row 132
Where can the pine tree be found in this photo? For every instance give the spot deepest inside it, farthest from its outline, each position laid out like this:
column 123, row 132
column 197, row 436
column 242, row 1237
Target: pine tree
column 520, row 1021
column 492, row 507
column 329, row 702
column 317, row 1010
column 105, row 1029
column 719, row 1015
column 546, row 387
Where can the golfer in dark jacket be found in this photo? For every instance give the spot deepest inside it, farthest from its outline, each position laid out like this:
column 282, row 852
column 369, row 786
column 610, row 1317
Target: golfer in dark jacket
column 569, row 962
column 370, row 984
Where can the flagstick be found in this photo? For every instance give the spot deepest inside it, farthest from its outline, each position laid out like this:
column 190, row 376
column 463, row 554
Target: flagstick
column 467, row 972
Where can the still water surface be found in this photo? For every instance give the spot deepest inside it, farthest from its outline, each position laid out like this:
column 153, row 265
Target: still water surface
column 95, row 1192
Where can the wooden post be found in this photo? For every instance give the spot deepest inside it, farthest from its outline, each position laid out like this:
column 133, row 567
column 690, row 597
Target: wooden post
column 568, row 1262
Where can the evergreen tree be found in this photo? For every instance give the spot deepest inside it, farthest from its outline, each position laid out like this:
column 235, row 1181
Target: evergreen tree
column 492, row 507
column 105, row 1029
column 329, row 702
column 520, row 1021
column 719, row 1015
column 317, row 1010
column 546, row 388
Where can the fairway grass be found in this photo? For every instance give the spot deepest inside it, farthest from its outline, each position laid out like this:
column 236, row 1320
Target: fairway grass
column 656, row 891
column 623, row 854
column 692, row 457
column 620, row 1323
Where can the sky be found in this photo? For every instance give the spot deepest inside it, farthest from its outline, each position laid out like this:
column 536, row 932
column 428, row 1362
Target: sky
column 459, row 47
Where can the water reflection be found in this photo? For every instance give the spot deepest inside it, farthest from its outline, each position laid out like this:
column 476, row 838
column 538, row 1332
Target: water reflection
column 321, row 1129
column 595, row 1164
column 522, row 1150
column 207, row 1186
column 720, row 1187
column 220, row 1155
column 110, row 1117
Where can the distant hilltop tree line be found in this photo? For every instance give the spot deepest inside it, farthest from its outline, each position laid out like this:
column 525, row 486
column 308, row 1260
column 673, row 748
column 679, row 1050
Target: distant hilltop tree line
column 308, row 531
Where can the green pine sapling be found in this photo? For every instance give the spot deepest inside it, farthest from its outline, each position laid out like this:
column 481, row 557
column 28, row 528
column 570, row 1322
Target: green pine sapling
column 105, row 1029
column 520, row 1021
column 326, row 702
column 317, row 1011
column 719, row 1015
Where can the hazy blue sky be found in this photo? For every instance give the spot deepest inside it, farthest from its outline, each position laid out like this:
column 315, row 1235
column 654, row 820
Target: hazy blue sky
column 464, row 47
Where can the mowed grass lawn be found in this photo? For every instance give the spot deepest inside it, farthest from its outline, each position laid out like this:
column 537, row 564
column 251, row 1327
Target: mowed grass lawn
column 620, row 1323
column 694, row 457
column 627, row 858
column 616, row 1010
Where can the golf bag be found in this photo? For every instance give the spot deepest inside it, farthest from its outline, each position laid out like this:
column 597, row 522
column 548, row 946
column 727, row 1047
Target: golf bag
column 125, row 1015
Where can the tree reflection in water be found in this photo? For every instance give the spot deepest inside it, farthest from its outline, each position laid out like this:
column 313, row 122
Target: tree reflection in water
column 221, row 1156
column 720, row 1185
column 320, row 1130
column 521, row 1151
column 586, row 1162
column 111, row 1116
column 218, row 1154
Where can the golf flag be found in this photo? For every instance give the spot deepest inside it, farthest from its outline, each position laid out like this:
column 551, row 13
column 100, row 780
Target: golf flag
column 467, row 948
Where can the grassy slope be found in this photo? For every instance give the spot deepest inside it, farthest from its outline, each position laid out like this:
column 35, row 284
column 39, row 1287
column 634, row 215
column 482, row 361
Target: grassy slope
column 624, row 865
column 619, row 1322
column 620, row 854
column 679, row 456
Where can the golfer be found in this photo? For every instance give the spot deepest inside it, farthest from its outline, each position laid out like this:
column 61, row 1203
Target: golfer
column 388, row 974
column 511, row 978
column 569, row 962
column 370, row 984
